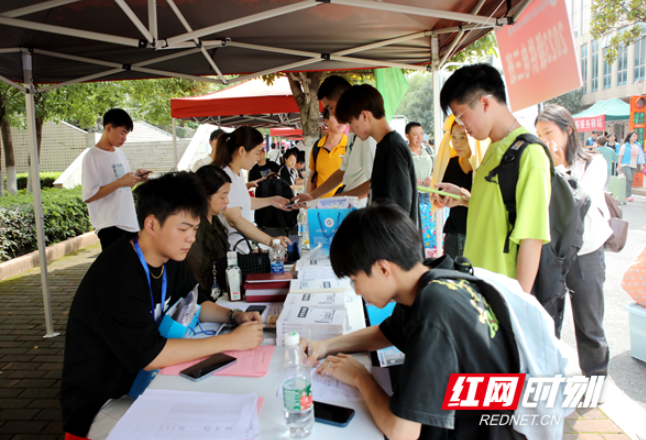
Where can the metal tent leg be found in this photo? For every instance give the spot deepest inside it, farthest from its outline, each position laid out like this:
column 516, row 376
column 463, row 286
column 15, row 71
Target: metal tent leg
column 175, row 144
column 38, row 202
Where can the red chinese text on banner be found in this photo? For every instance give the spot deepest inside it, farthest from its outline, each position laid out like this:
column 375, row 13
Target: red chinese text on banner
column 538, row 55
column 592, row 123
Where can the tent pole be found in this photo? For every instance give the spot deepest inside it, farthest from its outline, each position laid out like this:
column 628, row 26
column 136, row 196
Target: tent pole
column 175, row 143
column 437, row 132
column 152, row 18
column 35, row 182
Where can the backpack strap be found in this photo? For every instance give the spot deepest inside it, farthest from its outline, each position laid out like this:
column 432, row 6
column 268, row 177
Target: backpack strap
column 507, row 176
column 316, row 148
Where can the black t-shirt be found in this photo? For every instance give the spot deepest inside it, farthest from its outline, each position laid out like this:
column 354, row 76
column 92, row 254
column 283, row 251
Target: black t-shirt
column 258, row 172
column 111, row 333
column 393, row 175
column 457, row 221
column 446, row 331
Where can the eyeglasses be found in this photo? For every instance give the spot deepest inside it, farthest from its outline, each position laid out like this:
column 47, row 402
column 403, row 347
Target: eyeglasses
column 458, row 119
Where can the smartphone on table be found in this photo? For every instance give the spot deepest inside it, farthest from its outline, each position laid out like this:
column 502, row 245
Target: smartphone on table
column 332, row 414
column 209, row 365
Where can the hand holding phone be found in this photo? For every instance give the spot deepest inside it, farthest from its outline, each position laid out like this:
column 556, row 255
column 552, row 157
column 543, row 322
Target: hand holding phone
column 144, row 173
column 209, row 365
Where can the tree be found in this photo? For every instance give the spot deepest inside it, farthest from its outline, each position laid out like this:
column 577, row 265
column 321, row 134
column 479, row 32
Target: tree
column 623, row 19
column 10, row 104
column 417, row 103
column 570, row 100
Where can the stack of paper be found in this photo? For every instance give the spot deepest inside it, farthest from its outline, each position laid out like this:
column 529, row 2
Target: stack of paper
column 317, row 323
column 189, row 415
column 319, row 285
column 317, row 300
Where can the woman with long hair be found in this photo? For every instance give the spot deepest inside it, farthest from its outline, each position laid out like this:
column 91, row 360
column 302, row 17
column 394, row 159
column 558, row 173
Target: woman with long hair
column 631, row 160
column 457, row 157
column 212, row 238
column 239, row 151
column 288, row 171
column 555, row 126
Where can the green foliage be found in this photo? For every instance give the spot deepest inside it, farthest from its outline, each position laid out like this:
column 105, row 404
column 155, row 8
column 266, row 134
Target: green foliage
column 417, row 104
column 570, row 100
column 46, row 179
column 479, row 50
column 65, row 215
column 621, row 20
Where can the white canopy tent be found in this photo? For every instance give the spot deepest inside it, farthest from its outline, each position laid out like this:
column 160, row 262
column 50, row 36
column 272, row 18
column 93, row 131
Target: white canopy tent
column 62, row 42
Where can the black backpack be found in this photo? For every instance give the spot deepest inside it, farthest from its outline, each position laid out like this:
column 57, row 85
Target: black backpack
column 568, row 207
column 270, row 217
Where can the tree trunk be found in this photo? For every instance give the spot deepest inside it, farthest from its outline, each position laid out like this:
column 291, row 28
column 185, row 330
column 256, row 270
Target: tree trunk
column 305, row 87
column 40, row 120
column 10, row 161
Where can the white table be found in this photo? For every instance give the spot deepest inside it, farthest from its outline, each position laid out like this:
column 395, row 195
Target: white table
column 271, row 417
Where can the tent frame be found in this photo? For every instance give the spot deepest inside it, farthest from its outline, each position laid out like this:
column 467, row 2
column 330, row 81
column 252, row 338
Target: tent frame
column 191, row 40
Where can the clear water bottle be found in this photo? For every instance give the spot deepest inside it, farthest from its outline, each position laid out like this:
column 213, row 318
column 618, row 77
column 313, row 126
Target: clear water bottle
column 303, row 231
column 297, row 389
column 234, row 277
column 277, row 257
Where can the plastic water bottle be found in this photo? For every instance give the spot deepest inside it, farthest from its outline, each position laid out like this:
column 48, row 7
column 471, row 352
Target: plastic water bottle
column 303, row 232
column 234, row 277
column 297, row 389
column 277, row 257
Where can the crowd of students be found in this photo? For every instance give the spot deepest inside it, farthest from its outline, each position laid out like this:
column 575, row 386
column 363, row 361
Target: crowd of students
column 184, row 222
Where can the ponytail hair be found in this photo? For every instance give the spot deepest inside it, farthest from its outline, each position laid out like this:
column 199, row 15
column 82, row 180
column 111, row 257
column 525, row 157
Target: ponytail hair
column 229, row 143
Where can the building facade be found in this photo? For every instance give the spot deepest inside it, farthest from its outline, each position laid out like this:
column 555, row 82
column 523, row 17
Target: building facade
column 601, row 80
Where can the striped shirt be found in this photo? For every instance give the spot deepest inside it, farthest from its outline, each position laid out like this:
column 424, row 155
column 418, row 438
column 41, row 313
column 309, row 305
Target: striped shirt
column 423, row 164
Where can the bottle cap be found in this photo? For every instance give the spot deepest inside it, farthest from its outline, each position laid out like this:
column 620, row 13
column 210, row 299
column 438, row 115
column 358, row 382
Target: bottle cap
column 232, row 255
column 291, row 339
column 276, row 241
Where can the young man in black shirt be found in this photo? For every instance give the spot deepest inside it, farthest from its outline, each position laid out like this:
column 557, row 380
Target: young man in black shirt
column 393, row 172
column 443, row 327
column 112, row 329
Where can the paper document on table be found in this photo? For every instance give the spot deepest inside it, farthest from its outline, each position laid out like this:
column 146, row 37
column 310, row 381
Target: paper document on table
column 158, row 414
column 316, row 273
column 330, row 389
column 391, row 356
column 319, row 285
column 323, row 262
column 250, row 363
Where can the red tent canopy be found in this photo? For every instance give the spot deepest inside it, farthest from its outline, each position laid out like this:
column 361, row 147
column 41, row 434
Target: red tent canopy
column 252, row 102
column 286, row 132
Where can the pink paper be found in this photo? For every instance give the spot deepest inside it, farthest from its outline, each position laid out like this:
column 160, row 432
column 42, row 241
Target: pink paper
column 251, row 363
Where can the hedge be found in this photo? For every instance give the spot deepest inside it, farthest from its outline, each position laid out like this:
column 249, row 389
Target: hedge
column 46, row 179
column 65, row 216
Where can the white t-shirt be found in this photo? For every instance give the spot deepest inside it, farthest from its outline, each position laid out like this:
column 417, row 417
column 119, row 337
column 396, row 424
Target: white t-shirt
column 101, row 168
column 592, row 180
column 238, row 198
column 357, row 163
column 274, row 155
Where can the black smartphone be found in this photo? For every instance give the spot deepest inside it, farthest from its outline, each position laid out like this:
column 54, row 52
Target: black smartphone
column 144, row 174
column 332, row 414
column 256, row 308
column 207, row 366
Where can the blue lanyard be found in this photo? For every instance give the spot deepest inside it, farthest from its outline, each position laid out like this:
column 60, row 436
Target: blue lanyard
column 150, row 289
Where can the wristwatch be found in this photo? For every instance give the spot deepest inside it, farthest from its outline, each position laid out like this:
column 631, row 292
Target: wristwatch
column 232, row 315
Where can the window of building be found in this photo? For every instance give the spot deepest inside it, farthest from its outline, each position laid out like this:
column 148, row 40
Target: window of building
column 622, row 66
column 640, row 57
column 584, row 67
column 594, row 86
column 607, row 72
column 575, row 19
column 585, row 13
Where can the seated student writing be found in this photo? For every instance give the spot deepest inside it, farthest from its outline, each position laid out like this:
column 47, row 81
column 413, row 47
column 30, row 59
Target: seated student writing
column 112, row 329
column 211, row 239
column 393, row 172
column 440, row 326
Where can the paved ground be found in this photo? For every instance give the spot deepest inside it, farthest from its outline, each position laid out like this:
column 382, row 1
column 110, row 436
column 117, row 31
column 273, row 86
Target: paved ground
column 628, row 373
column 30, row 366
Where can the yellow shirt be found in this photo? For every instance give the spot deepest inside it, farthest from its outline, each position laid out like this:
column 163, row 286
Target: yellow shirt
column 487, row 220
column 327, row 162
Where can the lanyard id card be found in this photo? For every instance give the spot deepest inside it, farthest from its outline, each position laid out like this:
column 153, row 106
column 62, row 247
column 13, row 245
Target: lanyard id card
column 156, row 314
